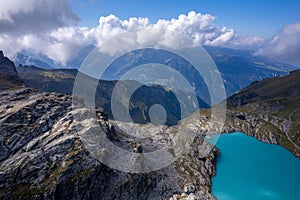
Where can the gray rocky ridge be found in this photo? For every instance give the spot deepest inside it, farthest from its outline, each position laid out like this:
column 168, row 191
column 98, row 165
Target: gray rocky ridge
column 43, row 157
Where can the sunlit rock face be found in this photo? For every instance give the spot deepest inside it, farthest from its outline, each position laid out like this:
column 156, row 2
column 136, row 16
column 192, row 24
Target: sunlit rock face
column 42, row 155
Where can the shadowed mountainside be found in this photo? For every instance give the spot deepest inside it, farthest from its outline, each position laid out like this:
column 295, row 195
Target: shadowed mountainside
column 273, row 88
column 238, row 67
column 62, row 81
column 8, row 74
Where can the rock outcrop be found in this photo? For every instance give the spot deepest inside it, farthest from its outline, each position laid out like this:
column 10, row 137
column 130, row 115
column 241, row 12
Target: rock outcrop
column 8, row 74
column 267, row 126
column 7, row 66
column 42, row 156
column 268, row 110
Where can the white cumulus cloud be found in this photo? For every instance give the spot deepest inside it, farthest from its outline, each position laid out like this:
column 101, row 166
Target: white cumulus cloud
column 285, row 45
column 199, row 27
column 59, row 45
column 43, row 27
column 31, row 16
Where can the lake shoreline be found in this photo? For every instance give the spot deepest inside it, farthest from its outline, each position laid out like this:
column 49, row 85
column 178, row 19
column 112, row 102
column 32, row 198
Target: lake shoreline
column 242, row 156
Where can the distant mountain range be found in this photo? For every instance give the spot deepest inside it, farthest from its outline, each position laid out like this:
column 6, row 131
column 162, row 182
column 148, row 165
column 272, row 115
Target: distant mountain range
column 21, row 59
column 62, row 81
column 241, row 67
column 31, row 59
column 238, row 67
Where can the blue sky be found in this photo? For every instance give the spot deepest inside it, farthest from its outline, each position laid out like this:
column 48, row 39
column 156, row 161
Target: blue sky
column 59, row 29
column 254, row 18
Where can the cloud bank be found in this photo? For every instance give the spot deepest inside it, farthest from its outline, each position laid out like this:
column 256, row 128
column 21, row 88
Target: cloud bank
column 285, row 45
column 200, row 27
column 47, row 27
column 31, row 16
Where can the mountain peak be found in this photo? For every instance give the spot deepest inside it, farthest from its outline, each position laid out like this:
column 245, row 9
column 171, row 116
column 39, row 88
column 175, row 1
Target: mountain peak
column 8, row 74
column 1, row 54
column 7, row 66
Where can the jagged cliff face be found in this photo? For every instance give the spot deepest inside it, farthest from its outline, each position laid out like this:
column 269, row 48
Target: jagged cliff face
column 8, row 74
column 42, row 157
column 7, row 66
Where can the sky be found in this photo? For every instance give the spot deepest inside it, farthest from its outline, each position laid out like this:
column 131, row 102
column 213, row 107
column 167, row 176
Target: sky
column 256, row 17
column 59, row 29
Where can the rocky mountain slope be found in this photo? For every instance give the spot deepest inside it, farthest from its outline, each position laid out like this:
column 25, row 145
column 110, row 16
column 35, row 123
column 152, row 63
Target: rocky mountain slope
column 43, row 156
column 8, row 74
column 62, row 81
column 269, row 110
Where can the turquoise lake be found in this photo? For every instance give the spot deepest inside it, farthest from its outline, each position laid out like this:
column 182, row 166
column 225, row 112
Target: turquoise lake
column 249, row 169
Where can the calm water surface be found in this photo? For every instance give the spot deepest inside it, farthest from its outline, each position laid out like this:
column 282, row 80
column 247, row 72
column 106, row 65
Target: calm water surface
column 249, row 169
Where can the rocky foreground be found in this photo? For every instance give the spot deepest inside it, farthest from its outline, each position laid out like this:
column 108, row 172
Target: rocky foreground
column 42, row 156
